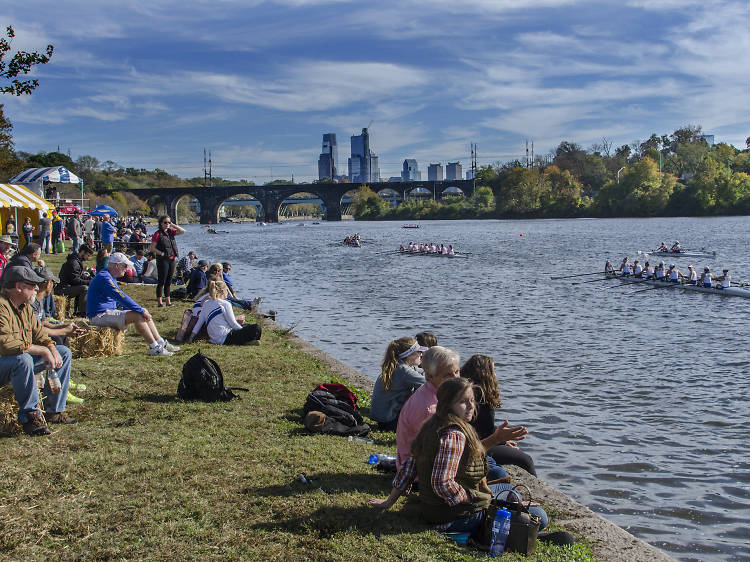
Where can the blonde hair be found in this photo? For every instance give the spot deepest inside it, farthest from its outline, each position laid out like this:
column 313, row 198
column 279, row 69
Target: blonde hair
column 216, row 289
column 394, row 349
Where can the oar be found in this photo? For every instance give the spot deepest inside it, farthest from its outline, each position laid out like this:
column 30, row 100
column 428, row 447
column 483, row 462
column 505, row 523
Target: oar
column 670, row 286
column 591, row 281
column 623, row 285
column 578, row 275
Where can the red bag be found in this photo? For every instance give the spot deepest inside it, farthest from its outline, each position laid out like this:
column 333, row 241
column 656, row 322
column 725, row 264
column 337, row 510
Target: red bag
column 340, row 391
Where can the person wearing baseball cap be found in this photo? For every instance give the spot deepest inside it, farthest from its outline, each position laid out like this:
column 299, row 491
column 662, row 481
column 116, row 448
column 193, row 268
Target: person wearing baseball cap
column 105, row 295
column 26, row 349
column 198, row 279
column 6, row 243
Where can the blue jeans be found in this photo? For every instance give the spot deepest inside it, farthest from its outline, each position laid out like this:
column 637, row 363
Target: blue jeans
column 496, row 471
column 19, row 370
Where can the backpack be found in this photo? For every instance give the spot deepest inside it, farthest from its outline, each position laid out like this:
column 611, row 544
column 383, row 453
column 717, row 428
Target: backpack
column 339, row 406
column 202, row 380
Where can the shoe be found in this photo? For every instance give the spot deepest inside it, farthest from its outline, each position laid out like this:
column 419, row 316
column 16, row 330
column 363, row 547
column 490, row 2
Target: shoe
column 159, row 351
column 169, row 304
column 559, row 538
column 35, row 426
column 73, row 399
column 253, row 342
column 79, row 387
column 169, row 347
column 160, row 305
column 61, row 417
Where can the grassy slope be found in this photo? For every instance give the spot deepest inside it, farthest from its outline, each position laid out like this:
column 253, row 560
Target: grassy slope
column 144, row 475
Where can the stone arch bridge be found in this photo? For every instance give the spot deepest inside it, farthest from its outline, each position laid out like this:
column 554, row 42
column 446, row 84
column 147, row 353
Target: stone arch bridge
column 272, row 196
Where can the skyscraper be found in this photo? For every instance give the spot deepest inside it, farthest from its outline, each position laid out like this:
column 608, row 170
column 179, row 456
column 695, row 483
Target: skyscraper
column 454, row 171
column 410, row 170
column 435, row 172
column 328, row 162
column 363, row 164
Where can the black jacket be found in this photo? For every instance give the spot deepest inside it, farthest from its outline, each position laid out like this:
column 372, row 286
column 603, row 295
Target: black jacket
column 71, row 271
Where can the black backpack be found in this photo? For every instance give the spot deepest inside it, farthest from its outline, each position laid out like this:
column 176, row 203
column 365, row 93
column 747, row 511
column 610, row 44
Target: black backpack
column 341, row 417
column 202, row 380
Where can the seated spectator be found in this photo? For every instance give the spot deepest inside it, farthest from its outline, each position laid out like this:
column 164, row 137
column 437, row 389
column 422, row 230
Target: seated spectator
column 450, row 462
column 150, row 274
column 185, row 266
column 139, row 260
column 26, row 349
column 27, row 256
column 400, row 376
column 102, row 259
column 226, row 268
column 426, row 339
column 73, row 282
column 222, row 326
column 198, row 279
column 480, row 370
column 105, row 296
column 6, row 251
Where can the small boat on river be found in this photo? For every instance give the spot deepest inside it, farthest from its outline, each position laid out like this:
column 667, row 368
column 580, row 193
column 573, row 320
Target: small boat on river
column 433, row 254
column 728, row 292
column 409, row 226
column 681, row 254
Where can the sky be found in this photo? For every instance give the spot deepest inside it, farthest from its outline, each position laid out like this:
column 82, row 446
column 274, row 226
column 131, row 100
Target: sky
column 151, row 84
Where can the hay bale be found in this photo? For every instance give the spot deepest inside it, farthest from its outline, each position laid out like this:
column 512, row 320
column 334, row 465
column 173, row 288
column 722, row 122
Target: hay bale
column 66, row 306
column 8, row 412
column 98, row 342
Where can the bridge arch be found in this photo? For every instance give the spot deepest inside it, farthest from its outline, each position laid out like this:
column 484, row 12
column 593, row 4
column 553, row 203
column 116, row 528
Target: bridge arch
column 187, row 208
column 241, row 206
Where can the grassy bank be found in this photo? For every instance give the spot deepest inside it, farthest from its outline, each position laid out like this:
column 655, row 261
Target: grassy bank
column 145, row 475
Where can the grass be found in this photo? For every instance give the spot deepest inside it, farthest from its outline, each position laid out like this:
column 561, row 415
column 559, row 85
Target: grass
column 145, row 475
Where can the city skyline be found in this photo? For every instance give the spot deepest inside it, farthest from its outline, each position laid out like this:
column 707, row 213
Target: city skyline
column 150, row 84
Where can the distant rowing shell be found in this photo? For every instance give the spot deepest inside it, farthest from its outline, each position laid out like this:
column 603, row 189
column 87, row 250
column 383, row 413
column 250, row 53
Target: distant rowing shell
column 435, row 255
column 682, row 254
column 729, row 292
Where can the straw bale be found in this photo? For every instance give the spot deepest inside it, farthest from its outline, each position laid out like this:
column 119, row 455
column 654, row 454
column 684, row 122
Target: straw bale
column 65, row 306
column 8, row 412
column 98, row 342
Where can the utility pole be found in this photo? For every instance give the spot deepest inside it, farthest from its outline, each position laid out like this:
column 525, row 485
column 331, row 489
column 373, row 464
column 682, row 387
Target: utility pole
column 210, row 171
column 532, row 153
column 527, row 153
column 205, row 169
column 474, row 174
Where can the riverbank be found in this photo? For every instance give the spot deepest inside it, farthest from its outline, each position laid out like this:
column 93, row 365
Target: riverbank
column 145, row 475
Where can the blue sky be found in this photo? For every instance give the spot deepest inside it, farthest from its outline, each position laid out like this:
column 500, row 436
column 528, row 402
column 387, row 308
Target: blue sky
column 150, row 84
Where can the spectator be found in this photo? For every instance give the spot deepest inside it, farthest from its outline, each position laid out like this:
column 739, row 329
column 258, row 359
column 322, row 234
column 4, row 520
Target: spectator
column 149, row 276
column 26, row 349
column 28, row 230
column 105, row 296
column 45, row 229
column 72, row 280
column 6, row 251
column 88, row 231
column 74, row 230
column 28, row 255
column 226, row 268
column 139, row 260
column 58, row 246
column 164, row 247
column 185, row 266
column 217, row 315
column 198, row 279
column 107, row 233
column 102, row 259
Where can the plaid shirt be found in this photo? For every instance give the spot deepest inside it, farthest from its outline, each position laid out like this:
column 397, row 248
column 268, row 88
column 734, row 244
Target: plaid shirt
column 444, row 470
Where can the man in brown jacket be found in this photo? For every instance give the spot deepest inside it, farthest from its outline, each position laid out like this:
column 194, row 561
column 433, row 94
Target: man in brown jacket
column 26, row 349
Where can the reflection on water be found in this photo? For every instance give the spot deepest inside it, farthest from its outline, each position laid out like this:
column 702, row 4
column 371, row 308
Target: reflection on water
column 636, row 402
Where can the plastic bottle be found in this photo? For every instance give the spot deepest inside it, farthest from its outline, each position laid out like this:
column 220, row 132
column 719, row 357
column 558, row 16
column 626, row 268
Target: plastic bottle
column 500, row 530
column 54, row 381
column 360, row 439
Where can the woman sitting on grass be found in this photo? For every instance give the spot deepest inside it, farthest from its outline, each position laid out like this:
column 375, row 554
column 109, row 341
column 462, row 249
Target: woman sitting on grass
column 400, row 376
column 480, row 369
column 222, row 326
column 449, row 460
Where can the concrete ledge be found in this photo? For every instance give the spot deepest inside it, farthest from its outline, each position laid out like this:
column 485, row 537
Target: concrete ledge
column 606, row 540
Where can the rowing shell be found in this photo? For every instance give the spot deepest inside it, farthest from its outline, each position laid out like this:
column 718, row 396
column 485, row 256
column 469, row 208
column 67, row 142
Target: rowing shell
column 729, row 292
column 682, row 254
column 435, row 255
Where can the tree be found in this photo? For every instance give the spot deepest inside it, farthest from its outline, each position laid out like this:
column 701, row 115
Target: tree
column 10, row 164
column 49, row 159
column 20, row 63
column 642, row 191
column 366, row 204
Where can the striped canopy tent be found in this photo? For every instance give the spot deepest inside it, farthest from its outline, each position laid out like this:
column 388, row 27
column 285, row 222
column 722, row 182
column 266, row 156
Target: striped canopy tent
column 59, row 174
column 18, row 202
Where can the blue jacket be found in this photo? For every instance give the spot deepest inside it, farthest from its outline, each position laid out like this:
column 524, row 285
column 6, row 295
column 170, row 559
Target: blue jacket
column 108, row 233
column 198, row 280
column 105, row 294
column 227, row 279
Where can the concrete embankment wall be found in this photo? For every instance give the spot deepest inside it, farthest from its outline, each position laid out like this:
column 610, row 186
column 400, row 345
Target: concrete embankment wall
column 606, row 540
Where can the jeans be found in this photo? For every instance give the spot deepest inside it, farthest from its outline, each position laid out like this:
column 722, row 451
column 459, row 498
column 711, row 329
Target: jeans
column 44, row 240
column 76, row 244
column 496, row 471
column 19, row 370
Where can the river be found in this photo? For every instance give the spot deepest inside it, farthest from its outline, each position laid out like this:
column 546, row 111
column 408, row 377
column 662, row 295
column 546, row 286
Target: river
column 636, row 402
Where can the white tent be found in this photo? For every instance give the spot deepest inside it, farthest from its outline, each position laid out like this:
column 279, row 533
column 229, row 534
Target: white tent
column 34, row 178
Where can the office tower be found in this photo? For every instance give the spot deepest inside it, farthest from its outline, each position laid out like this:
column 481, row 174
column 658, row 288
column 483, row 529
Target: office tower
column 453, row 171
column 363, row 164
column 328, row 162
column 410, row 170
column 435, row 172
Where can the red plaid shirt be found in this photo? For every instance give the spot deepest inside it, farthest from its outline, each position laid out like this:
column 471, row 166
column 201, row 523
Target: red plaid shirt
column 443, row 479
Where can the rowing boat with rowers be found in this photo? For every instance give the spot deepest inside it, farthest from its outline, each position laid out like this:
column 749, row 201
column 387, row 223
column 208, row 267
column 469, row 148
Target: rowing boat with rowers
column 728, row 292
column 432, row 254
column 681, row 254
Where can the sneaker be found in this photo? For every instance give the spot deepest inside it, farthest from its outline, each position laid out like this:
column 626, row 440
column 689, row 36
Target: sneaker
column 79, row 387
column 73, row 399
column 159, row 351
column 35, row 426
column 61, row 417
column 169, row 347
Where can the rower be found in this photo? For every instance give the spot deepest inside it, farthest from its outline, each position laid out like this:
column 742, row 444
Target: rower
column 676, row 249
column 451, row 251
column 443, row 249
column 402, row 249
column 706, row 277
column 693, row 277
column 660, row 273
column 663, row 247
column 725, row 279
column 433, row 248
column 609, row 269
column 648, row 271
column 625, row 267
column 673, row 275
column 637, row 269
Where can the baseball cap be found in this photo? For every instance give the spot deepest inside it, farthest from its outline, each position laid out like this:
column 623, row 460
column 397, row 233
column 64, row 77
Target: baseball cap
column 119, row 257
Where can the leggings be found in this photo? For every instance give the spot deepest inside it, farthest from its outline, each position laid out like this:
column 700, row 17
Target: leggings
column 508, row 455
column 247, row 333
column 165, row 267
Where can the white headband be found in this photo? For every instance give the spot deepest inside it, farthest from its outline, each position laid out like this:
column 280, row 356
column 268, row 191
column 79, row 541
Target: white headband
column 412, row 349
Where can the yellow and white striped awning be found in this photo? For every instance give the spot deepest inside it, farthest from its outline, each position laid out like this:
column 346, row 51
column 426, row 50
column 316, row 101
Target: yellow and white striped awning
column 14, row 195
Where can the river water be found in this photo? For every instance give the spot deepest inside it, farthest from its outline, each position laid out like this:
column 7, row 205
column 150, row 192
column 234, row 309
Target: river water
column 636, row 403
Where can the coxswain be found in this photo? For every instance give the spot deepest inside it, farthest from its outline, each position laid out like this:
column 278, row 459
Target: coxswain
column 451, row 251
column 609, row 269
column 625, row 267
column 692, row 277
column 638, row 269
column 705, row 280
column 676, row 248
column 725, row 279
column 660, row 273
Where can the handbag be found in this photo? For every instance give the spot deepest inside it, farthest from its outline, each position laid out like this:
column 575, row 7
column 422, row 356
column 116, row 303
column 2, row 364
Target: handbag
column 524, row 527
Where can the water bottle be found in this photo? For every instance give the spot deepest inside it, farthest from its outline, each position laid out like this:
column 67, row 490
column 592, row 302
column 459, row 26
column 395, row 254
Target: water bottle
column 360, row 439
column 54, row 381
column 381, row 459
column 500, row 530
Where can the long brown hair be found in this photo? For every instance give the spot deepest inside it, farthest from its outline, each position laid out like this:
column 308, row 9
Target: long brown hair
column 447, row 394
column 480, row 369
column 394, row 349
